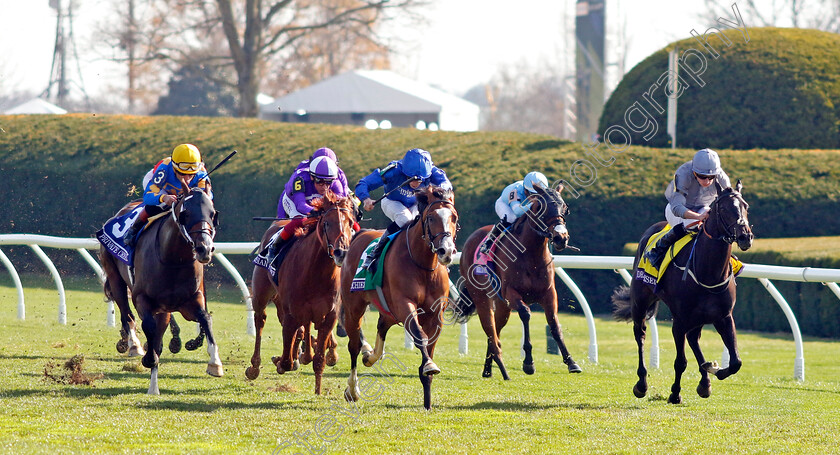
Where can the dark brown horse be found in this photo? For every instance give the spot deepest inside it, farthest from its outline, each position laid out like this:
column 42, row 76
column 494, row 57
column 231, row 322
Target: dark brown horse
column 415, row 286
column 169, row 276
column 699, row 289
column 307, row 288
column 524, row 274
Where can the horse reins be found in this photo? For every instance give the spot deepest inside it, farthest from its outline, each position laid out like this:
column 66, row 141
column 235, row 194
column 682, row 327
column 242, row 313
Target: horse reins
column 325, row 240
column 427, row 235
column 183, row 229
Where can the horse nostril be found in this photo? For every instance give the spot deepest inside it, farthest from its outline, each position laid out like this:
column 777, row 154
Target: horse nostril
column 440, row 251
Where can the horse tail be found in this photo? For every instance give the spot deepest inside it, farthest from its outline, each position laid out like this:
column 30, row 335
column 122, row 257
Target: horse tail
column 464, row 306
column 623, row 305
column 104, row 259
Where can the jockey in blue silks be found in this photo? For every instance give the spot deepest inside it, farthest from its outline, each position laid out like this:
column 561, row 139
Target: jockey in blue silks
column 165, row 181
column 307, row 183
column 689, row 195
column 400, row 179
column 512, row 204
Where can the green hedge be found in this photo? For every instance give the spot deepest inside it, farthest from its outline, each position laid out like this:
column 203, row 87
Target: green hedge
column 66, row 175
column 779, row 90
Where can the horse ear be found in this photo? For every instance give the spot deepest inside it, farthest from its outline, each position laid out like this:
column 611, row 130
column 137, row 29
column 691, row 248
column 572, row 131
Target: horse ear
column 216, row 219
column 719, row 188
column 738, row 186
column 560, row 187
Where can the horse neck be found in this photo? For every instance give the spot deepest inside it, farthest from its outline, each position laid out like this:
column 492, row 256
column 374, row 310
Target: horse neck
column 420, row 251
column 314, row 257
column 531, row 240
column 712, row 257
column 174, row 248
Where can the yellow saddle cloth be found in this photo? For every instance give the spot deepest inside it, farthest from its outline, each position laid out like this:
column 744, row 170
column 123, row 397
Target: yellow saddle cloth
column 672, row 252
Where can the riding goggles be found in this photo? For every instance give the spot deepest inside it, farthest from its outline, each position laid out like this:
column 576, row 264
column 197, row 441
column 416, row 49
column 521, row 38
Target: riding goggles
column 321, row 181
column 188, row 167
column 704, row 177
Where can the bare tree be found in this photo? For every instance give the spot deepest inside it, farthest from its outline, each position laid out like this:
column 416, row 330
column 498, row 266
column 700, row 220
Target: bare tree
column 818, row 14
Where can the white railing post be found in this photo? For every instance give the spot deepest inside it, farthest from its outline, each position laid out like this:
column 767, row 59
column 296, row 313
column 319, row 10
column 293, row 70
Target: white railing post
column 250, row 329
column 62, row 304
column 21, row 307
column 590, row 321
column 110, row 320
column 651, row 322
column 799, row 361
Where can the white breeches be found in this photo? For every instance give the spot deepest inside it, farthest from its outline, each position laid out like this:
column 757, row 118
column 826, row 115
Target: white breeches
column 398, row 213
column 690, row 224
column 505, row 212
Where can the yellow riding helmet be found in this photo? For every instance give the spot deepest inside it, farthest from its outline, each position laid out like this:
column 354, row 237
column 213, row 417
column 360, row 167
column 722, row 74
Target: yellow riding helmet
column 186, row 158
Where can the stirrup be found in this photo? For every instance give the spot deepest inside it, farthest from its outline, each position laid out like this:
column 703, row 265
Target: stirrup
column 485, row 246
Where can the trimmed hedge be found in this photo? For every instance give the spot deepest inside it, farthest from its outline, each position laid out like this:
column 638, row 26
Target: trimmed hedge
column 779, row 90
column 66, row 175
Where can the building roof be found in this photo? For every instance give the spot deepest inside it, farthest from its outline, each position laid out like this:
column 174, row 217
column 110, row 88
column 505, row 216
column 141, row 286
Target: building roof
column 35, row 106
column 369, row 91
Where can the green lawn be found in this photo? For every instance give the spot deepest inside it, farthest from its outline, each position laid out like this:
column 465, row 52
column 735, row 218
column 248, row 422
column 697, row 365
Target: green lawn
column 759, row 410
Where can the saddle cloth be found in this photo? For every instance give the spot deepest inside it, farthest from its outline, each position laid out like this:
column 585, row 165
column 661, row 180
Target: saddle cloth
column 112, row 233
column 647, row 273
column 273, row 267
column 363, row 280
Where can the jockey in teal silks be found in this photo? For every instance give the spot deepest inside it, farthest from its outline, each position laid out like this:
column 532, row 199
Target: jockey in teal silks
column 512, row 204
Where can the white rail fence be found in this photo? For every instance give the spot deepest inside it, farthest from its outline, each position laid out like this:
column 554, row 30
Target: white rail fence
column 620, row 264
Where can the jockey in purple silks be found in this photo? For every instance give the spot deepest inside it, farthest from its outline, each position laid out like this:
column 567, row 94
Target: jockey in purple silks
column 306, row 184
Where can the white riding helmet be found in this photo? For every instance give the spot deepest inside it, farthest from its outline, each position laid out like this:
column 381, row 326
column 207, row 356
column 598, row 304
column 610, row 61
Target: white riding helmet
column 534, row 178
column 706, row 162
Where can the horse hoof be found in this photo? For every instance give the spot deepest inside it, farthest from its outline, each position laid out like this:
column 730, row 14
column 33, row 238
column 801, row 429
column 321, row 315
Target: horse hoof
column 275, row 360
column 252, row 372
column 430, row 368
column 704, row 392
column 639, row 392
column 528, row 368
column 350, row 395
column 574, row 368
column 675, row 399
column 331, row 359
column 175, row 345
column 488, row 373
column 192, row 345
column 295, row 365
column 215, row 370
column 136, row 351
column 122, row 346
column 366, row 359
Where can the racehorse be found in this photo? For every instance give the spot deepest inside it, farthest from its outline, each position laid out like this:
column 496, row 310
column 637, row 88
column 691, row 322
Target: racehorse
column 524, row 273
column 701, row 291
column 415, row 286
column 169, row 276
column 307, row 288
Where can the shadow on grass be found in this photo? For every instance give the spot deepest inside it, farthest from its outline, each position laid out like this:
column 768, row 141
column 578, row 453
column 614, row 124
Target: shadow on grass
column 522, row 407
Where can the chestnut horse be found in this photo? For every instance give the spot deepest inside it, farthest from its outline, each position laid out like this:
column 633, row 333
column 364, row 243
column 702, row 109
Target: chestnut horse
column 307, row 288
column 415, row 286
column 524, row 274
column 169, row 276
column 701, row 291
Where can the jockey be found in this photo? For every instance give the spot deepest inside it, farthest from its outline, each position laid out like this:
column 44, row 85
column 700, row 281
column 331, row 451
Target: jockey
column 323, row 151
column 689, row 195
column 307, row 183
column 399, row 204
column 165, row 180
column 512, row 204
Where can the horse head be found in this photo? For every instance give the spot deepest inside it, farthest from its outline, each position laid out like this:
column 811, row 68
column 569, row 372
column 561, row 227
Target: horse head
column 336, row 217
column 728, row 214
column 197, row 220
column 440, row 221
column 547, row 215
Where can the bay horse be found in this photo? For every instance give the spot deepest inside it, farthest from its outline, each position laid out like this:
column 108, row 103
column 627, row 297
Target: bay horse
column 699, row 292
column 524, row 274
column 415, row 286
column 169, row 276
column 307, row 288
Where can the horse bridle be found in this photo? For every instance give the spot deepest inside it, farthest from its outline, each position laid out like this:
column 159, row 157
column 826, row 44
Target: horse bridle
column 548, row 233
column 211, row 231
column 427, row 234
column 321, row 221
column 729, row 231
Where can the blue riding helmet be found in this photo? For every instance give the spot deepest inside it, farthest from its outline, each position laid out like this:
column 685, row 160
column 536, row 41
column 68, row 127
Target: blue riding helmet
column 534, row 178
column 416, row 163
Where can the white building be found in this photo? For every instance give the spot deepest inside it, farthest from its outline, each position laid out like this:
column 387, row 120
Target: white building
column 35, row 106
column 375, row 99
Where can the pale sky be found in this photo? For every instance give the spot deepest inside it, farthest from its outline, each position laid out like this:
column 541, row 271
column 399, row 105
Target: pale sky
column 463, row 45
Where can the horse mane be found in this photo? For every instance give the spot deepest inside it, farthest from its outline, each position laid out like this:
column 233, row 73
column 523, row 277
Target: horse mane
column 431, row 193
column 321, row 204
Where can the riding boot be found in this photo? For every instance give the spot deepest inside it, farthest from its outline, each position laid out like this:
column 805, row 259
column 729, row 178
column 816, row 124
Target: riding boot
column 130, row 237
column 370, row 261
column 274, row 248
column 497, row 230
column 657, row 253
